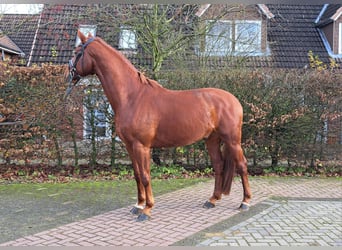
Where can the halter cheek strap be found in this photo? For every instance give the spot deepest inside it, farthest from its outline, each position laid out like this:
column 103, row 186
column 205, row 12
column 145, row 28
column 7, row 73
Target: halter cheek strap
column 72, row 64
column 73, row 75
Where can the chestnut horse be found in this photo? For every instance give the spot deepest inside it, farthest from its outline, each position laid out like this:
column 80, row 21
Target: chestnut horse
column 148, row 115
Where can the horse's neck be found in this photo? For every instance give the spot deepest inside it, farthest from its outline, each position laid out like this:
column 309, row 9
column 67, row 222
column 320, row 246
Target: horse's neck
column 119, row 81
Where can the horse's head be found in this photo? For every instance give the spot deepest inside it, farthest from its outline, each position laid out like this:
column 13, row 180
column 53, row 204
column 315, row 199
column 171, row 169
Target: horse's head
column 81, row 63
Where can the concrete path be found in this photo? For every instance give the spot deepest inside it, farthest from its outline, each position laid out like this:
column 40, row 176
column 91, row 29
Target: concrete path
column 309, row 214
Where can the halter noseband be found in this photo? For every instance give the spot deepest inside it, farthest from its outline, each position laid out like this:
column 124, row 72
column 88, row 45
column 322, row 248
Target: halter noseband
column 73, row 75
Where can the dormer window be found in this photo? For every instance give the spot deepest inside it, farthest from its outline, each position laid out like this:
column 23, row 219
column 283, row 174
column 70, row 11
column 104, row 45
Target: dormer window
column 128, row 39
column 86, row 29
column 237, row 37
column 329, row 23
column 240, row 30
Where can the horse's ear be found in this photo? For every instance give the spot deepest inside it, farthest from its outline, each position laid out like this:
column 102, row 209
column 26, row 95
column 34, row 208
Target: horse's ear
column 82, row 37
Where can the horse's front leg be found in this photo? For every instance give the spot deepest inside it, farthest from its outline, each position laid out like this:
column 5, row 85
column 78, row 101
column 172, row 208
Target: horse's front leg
column 139, row 206
column 140, row 156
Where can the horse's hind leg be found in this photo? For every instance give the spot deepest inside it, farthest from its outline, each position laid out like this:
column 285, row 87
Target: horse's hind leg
column 234, row 154
column 242, row 171
column 213, row 147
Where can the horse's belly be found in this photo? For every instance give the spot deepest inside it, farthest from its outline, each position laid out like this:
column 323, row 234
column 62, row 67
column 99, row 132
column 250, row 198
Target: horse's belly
column 172, row 142
column 182, row 132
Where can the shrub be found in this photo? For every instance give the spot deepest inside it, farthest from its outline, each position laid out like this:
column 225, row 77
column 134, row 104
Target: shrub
column 291, row 117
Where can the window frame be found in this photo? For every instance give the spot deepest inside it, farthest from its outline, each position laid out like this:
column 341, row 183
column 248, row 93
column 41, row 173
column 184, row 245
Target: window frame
column 234, row 49
column 106, row 124
column 256, row 49
column 127, row 44
column 210, row 49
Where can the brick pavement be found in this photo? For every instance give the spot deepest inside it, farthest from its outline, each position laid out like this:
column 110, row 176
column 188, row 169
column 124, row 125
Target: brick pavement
column 179, row 215
column 286, row 223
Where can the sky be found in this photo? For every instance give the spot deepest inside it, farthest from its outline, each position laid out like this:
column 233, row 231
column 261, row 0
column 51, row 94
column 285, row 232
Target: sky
column 20, row 8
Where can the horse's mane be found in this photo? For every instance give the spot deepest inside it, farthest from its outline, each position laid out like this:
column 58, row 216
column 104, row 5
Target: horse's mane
column 148, row 81
column 143, row 79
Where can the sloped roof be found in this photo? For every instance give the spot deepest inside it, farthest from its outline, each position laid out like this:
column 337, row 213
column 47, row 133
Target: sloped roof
column 59, row 29
column 328, row 11
column 9, row 46
column 59, row 24
column 292, row 34
column 57, row 32
column 21, row 29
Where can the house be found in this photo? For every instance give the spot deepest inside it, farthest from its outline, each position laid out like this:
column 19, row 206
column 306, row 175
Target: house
column 329, row 23
column 295, row 31
column 258, row 35
column 282, row 34
column 9, row 50
column 17, row 33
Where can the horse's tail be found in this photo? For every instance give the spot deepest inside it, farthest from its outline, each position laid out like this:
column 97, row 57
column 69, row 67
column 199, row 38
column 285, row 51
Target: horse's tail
column 228, row 171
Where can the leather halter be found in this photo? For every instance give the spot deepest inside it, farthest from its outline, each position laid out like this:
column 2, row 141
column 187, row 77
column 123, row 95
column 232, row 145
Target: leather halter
column 74, row 77
column 72, row 65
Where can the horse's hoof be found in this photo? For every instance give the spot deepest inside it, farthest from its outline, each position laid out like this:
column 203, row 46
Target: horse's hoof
column 244, row 206
column 143, row 217
column 136, row 210
column 208, row 205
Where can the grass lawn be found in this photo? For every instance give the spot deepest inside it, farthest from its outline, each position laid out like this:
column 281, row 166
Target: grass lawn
column 29, row 208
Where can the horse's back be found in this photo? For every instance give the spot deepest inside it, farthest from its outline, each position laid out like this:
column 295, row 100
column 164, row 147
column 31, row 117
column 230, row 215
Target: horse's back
column 221, row 101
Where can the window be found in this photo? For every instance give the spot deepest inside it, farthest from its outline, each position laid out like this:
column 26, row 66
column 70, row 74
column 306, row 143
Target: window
column 86, row 29
column 97, row 115
column 233, row 38
column 127, row 39
column 248, row 36
column 218, row 39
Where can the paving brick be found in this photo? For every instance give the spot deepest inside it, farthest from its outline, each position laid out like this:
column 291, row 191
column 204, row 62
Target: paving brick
column 242, row 243
column 282, row 242
column 257, row 235
column 267, row 240
column 85, row 244
column 259, row 244
column 249, row 239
